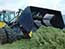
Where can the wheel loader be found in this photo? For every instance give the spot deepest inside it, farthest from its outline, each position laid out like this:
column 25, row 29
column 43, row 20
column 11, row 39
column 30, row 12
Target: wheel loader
column 29, row 20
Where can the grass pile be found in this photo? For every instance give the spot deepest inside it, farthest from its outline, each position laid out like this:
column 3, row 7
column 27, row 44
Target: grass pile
column 43, row 38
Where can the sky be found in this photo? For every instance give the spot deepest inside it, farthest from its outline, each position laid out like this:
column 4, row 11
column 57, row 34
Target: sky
column 12, row 4
column 16, row 4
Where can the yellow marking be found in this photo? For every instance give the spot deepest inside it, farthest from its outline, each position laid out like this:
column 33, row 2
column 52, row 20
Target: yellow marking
column 30, row 34
column 2, row 24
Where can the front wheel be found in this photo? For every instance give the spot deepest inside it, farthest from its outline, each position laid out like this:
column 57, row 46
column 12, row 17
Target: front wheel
column 3, row 37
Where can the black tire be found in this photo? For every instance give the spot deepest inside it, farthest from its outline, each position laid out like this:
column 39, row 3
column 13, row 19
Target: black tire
column 11, row 35
column 3, row 37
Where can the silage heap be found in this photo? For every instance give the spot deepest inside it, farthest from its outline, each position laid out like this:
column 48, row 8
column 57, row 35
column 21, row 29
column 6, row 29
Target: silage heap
column 48, row 38
column 43, row 38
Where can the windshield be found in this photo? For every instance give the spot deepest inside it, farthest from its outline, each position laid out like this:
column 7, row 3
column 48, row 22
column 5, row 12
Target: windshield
column 7, row 17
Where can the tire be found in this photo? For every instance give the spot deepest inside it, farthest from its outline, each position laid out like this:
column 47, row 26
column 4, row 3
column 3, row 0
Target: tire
column 11, row 35
column 3, row 37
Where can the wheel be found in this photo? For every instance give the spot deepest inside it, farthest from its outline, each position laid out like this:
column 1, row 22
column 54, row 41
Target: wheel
column 11, row 35
column 3, row 37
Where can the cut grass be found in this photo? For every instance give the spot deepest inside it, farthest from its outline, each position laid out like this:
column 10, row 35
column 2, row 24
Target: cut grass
column 43, row 38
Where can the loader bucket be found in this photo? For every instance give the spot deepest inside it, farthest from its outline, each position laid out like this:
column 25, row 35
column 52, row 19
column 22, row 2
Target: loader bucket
column 34, row 17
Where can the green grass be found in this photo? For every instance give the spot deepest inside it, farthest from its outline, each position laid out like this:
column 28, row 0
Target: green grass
column 43, row 38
